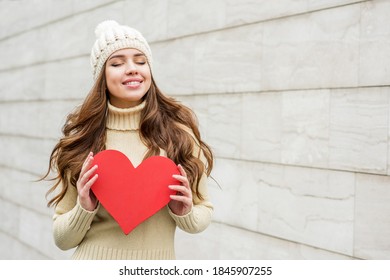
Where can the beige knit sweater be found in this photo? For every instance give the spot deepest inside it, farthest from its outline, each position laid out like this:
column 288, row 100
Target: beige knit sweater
column 98, row 236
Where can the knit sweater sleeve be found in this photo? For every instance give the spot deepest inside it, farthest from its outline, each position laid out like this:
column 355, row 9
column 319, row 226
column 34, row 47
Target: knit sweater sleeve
column 199, row 218
column 200, row 215
column 71, row 221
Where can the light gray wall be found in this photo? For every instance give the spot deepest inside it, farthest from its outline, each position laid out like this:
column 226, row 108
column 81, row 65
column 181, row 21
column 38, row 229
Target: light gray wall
column 292, row 95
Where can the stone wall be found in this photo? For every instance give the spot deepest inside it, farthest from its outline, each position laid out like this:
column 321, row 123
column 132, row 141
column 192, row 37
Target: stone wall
column 292, row 95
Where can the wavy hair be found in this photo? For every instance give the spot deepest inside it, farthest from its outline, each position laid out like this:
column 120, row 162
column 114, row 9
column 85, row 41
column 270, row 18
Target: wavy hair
column 164, row 124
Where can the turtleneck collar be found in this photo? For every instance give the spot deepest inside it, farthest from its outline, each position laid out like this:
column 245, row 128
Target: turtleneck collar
column 124, row 119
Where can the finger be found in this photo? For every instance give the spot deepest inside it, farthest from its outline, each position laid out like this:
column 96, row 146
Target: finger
column 87, row 163
column 90, row 183
column 85, row 190
column 185, row 200
column 182, row 171
column 86, row 176
column 181, row 189
column 88, row 156
column 87, row 159
column 89, row 173
column 182, row 179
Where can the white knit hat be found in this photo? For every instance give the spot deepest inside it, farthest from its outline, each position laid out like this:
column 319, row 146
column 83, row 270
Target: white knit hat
column 110, row 37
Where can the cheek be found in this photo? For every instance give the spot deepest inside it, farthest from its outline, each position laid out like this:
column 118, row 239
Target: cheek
column 148, row 76
column 148, row 84
column 111, row 79
column 110, row 86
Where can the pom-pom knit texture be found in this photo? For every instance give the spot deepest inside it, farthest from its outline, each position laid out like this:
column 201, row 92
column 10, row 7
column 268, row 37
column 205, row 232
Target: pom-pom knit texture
column 110, row 37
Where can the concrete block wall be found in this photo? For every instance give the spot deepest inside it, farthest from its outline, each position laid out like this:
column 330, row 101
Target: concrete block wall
column 292, row 95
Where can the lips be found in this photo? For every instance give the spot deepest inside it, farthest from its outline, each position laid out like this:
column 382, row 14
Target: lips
column 132, row 83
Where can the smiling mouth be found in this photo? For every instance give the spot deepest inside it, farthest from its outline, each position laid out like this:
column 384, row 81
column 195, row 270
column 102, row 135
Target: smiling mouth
column 132, row 83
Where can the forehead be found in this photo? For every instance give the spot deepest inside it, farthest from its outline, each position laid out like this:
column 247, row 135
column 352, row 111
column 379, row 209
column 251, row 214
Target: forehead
column 127, row 52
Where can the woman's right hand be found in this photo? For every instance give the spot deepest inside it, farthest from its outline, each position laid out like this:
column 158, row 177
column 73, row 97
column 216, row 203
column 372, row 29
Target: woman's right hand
column 86, row 197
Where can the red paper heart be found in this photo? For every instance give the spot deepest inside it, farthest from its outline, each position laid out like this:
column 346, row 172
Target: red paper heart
column 131, row 195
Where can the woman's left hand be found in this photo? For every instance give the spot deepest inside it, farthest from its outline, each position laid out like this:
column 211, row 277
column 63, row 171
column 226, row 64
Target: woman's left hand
column 181, row 203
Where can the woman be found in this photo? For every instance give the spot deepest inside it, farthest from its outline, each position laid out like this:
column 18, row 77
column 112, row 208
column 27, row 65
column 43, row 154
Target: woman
column 126, row 111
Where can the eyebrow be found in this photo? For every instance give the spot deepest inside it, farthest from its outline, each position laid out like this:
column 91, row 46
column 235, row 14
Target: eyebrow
column 123, row 56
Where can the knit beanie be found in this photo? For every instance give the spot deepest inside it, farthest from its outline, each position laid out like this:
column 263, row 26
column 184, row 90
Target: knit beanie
column 110, row 37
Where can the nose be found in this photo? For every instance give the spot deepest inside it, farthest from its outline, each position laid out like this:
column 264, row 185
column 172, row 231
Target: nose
column 131, row 68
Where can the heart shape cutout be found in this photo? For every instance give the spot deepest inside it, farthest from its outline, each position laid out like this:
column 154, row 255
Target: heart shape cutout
column 131, row 195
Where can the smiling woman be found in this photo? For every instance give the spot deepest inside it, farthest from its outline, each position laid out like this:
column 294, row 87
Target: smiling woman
column 126, row 111
column 128, row 77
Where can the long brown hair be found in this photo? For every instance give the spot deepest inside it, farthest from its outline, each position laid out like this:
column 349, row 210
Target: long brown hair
column 164, row 124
